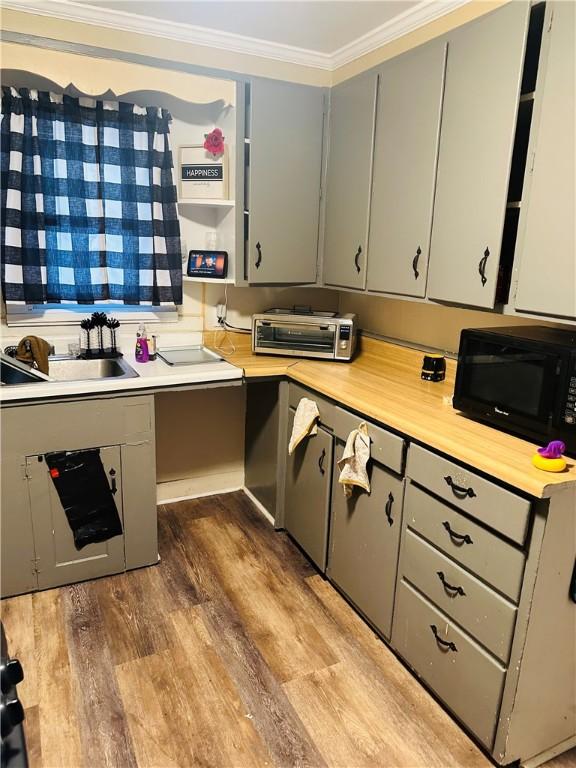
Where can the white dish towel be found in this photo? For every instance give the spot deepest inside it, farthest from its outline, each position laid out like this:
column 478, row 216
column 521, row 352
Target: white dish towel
column 353, row 464
column 305, row 418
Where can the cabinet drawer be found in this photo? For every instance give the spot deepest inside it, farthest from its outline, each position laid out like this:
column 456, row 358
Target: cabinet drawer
column 385, row 447
column 487, row 616
column 492, row 559
column 364, row 542
column 493, row 505
column 458, row 670
column 326, row 408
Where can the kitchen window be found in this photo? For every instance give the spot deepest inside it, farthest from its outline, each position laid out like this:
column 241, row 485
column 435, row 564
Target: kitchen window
column 89, row 215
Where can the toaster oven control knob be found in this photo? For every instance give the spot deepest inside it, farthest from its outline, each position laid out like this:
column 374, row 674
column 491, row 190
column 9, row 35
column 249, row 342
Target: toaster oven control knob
column 343, row 344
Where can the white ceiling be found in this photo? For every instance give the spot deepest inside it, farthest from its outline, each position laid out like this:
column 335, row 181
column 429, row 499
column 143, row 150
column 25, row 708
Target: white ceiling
column 317, row 33
column 323, row 26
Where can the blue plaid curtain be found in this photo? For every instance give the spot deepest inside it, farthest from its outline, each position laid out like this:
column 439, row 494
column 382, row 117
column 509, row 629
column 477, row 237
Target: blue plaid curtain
column 88, row 202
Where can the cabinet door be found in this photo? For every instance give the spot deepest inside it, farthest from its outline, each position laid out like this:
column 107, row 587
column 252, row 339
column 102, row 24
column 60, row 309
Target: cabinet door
column 405, row 154
column 58, row 560
column 285, row 169
column 547, row 272
column 307, row 501
column 17, row 556
column 483, row 78
column 364, row 543
column 349, row 179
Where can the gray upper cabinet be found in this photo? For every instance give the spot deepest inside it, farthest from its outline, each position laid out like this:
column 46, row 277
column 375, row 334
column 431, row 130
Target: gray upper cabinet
column 405, row 156
column 350, row 151
column 483, row 79
column 546, row 247
column 286, row 132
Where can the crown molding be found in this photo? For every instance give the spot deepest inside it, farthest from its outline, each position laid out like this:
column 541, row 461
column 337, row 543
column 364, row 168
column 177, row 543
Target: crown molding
column 425, row 12
column 69, row 10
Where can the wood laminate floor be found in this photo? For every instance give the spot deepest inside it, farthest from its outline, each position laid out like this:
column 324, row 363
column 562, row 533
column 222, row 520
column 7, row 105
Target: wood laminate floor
column 231, row 652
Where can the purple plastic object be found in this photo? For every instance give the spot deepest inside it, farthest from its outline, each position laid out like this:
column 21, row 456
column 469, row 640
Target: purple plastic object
column 553, row 450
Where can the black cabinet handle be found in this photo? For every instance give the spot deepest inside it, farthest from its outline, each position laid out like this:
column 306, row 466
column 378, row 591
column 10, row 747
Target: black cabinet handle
column 458, row 490
column 415, row 263
column 321, row 461
column 113, row 487
column 388, row 509
column 444, row 644
column 452, row 591
column 259, row 257
column 356, row 258
column 457, row 538
column 482, row 266
column 11, row 674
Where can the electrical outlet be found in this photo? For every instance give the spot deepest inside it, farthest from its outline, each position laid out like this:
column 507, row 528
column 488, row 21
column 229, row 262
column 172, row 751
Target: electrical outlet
column 221, row 313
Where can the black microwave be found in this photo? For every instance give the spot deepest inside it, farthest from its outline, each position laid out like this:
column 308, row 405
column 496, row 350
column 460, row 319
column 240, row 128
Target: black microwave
column 521, row 380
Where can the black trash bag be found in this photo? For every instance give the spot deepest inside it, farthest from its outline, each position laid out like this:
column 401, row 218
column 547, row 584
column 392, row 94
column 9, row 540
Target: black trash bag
column 82, row 486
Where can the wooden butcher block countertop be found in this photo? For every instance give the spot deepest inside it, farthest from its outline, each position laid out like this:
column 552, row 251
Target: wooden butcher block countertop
column 383, row 383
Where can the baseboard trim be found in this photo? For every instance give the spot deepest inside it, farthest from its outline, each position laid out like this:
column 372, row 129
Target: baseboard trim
column 200, row 495
column 198, row 487
column 259, row 506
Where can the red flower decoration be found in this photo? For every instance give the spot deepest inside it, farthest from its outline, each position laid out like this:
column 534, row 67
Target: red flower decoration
column 214, row 142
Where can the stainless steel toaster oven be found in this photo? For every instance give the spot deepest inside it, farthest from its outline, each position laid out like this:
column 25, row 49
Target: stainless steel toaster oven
column 304, row 333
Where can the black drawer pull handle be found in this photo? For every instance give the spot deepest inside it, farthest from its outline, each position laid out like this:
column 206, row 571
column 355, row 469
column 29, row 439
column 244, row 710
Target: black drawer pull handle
column 321, row 461
column 388, row 509
column 457, row 538
column 482, row 267
column 415, row 263
column 444, row 644
column 357, row 257
column 259, row 257
column 448, row 587
column 458, row 490
column 112, row 474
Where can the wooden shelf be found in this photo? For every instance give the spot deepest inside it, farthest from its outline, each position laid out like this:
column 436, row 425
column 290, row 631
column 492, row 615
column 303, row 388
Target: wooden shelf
column 208, row 203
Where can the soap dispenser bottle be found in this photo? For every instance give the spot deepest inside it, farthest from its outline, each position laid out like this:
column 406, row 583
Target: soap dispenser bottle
column 141, row 352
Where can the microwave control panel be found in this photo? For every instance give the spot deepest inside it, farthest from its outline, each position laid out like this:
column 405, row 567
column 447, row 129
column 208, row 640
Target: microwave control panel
column 570, row 405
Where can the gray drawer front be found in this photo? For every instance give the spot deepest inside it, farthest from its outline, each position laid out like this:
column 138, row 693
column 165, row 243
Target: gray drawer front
column 493, row 505
column 467, row 679
column 487, row 616
column 385, row 447
column 491, row 558
column 307, row 495
column 326, row 408
column 364, row 543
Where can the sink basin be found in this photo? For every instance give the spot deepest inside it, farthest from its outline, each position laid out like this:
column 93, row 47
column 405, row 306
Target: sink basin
column 71, row 369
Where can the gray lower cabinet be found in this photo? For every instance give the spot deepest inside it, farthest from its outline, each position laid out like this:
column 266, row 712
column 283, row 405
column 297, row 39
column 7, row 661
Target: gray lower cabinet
column 467, row 580
column 546, row 269
column 38, row 550
column 364, row 541
column 58, row 560
column 483, row 79
column 405, row 157
column 307, row 496
column 286, row 137
column 348, row 183
column 466, row 678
